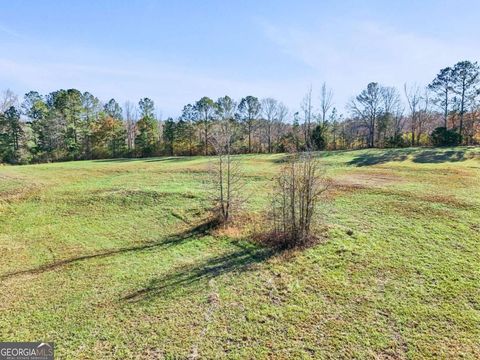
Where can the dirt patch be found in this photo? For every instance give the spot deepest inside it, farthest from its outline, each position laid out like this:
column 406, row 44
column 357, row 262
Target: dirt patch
column 375, row 179
column 358, row 181
column 18, row 194
column 379, row 184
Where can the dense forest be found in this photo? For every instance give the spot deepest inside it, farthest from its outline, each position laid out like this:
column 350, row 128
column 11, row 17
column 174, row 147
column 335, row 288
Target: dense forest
column 73, row 125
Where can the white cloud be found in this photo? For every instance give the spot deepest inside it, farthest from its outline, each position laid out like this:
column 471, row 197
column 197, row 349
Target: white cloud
column 349, row 55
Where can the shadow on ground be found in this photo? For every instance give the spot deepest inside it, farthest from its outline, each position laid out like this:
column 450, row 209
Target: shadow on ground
column 382, row 158
column 119, row 160
column 430, row 156
column 436, row 157
column 199, row 230
column 172, row 159
column 240, row 260
column 154, row 159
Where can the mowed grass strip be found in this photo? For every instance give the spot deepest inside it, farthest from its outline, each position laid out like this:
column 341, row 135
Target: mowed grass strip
column 114, row 259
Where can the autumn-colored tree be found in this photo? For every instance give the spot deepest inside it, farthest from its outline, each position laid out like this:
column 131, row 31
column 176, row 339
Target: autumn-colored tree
column 109, row 137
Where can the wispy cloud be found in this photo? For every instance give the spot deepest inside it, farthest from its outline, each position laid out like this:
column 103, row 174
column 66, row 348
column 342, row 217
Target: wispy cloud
column 126, row 78
column 345, row 54
column 349, row 55
column 6, row 31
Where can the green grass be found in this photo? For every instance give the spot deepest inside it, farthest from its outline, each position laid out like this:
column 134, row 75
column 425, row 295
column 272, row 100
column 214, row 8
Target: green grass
column 103, row 258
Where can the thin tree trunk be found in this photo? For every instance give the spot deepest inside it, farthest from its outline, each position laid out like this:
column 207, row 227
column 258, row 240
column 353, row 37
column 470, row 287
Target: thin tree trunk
column 446, row 110
column 206, row 139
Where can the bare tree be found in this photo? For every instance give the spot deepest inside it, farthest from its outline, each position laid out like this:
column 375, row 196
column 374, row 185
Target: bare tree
column 472, row 126
column 299, row 187
column 227, row 171
column 368, row 108
column 326, row 103
column 335, row 121
column 160, row 125
column 425, row 115
column 280, row 123
column 270, row 113
column 414, row 98
column 307, row 108
column 390, row 103
column 398, row 121
column 130, row 121
column 8, row 99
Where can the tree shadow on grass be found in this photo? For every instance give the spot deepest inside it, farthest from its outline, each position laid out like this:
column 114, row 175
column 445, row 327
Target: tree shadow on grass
column 431, row 156
column 282, row 159
column 370, row 159
column 436, row 157
column 118, row 160
column 199, row 230
column 240, row 260
column 286, row 157
column 146, row 159
column 170, row 159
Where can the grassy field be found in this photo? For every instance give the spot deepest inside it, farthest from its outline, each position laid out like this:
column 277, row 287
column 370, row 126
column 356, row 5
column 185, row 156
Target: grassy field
column 109, row 259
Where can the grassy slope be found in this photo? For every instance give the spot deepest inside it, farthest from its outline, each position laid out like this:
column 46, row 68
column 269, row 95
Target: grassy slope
column 406, row 284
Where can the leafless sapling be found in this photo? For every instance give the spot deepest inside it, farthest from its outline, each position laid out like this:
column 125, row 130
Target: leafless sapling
column 226, row 168
column 297, row 193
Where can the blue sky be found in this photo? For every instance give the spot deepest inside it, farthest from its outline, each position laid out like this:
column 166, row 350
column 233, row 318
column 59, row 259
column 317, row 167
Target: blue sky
column 177, row 51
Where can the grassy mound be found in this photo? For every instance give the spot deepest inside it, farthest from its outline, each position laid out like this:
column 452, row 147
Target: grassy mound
column 113, row 259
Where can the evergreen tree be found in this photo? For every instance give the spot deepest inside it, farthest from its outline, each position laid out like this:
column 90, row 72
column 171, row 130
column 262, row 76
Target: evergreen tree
column 206, row 111
column 249, row 110
column 11, row 135
column 147, row 129
column 169, row 135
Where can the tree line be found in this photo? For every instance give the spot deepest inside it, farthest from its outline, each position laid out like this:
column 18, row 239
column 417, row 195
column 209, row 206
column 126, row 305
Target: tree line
column 74, row 125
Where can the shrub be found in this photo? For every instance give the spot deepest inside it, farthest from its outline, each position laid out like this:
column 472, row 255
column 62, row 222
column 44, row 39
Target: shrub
column 318, row 138
column 396, row 141
column 441, row 136
column 297, row 192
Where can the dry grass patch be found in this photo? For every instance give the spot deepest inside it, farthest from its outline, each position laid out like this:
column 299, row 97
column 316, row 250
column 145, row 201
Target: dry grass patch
column 357, row 181
column 241, row 226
